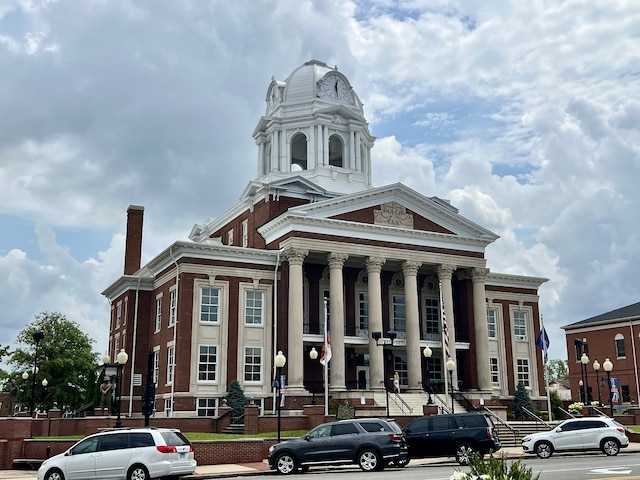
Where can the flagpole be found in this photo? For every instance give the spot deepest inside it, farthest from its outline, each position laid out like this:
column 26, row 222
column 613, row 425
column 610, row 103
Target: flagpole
column 326, row 366
column 545, row 359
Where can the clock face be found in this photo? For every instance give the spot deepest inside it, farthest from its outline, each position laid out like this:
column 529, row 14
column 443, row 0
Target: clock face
column 334, row 86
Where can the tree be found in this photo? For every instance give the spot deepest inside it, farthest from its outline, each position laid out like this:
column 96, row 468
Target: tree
column 557, row 370
column 65, row 359
column 236, row 400
column 521, row 400
column 556, row 405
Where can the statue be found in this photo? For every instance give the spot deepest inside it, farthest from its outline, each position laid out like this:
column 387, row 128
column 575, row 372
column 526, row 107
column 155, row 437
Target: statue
column 396, row 382
column 106, row 390
column 13, row 394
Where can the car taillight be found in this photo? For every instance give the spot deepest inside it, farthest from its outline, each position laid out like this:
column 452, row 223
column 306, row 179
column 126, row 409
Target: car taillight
column 620, row 429
column 395, row 437
column 489, row 433
column 166, row 449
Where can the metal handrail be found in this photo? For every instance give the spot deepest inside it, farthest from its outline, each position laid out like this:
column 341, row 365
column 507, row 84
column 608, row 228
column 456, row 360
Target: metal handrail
column 398, row 400
column 442, row 404
column 493, row 416
column 535, row 417
column 564, row 411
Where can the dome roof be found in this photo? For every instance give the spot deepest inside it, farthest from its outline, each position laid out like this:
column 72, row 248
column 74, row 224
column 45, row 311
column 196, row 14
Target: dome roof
column 302, row 83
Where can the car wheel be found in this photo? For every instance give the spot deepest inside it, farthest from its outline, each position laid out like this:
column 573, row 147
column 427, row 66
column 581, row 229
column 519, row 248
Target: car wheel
column 610, row 447
column 544, row 449
column 369, row 460
column 401, row 462
column 285, row 464
column 138, row 472
column 463, row 453
column 54, row 474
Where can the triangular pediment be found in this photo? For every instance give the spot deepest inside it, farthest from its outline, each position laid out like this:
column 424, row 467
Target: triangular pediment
column 393, row 211
column 290, row 185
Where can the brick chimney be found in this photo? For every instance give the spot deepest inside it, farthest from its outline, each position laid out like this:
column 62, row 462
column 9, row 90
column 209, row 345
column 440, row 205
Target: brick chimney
column 133, row 245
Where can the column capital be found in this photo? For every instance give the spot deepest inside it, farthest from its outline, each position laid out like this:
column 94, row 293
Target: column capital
column 336, row 260
column 479, row 274
column 445, row 272
column 295, row 256
column 374, row 264
column 410, row 267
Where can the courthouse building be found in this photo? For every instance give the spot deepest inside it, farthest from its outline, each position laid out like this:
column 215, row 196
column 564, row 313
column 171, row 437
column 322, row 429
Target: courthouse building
column 311, row 226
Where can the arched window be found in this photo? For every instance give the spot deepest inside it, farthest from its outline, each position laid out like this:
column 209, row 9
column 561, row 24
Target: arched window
column 335, row 151
column 299, row 152
column 620, row 345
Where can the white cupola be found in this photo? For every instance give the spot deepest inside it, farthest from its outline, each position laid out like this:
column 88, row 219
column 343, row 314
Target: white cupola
column 314, row 127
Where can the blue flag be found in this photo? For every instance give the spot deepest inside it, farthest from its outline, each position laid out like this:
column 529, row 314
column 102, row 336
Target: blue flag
column 543, row 342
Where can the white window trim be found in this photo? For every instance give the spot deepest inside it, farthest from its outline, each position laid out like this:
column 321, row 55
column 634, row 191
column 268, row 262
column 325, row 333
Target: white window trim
column 158, row 325
column 529, row 372
column 261, row 365
column 173, row 306
column 217, row 365
column 495, row 324
column 220, row 293
column 245, row 291
column 171, row 364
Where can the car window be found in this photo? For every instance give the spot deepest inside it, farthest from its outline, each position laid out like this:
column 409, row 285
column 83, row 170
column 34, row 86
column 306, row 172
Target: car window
column 571, row 426
column 419, row 426
column 344, row 429
column 442, row 423
column 115, row 441
column 374, row 426
column 175, row 439
column 321, row 431
column 140, row 439
column 593, row 424
column 88, row 445
column 474, row 421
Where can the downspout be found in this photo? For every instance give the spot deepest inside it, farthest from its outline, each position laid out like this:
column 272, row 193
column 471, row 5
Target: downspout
column 635, row 360
column 133, row 353
column 175, row 329
column 275, row 323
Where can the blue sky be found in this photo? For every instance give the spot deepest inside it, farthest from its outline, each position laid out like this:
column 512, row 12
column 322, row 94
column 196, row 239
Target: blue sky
column 524, row 114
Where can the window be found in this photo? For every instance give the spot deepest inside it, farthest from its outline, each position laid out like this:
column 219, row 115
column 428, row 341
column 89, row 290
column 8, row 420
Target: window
column 116, row 346
column 335, row 151
column 118, row 315
column 345, row 429
column 363, row 314
column 400, row 366
column 492, row 327
column 523, row 371
column 299, row 151
column 158, row 314
column 520, row 326
column 207, row 407
column 156, row 366
column 209, row 304
column 253, row 307
column 620, row 345
column 173, row 298
column 494, row 370
column 170, row 364
column 432, row 319
column 253, row 364
column 230, row 237
column 207, row 363
column 399, row 315
column 245, row 233
column 168, row 406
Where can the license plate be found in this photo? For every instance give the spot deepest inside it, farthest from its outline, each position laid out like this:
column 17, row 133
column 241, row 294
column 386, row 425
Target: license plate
column 183, row 454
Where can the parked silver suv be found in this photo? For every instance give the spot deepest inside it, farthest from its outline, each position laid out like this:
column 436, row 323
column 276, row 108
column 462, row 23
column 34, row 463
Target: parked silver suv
column 578, row 434
column 125, row 453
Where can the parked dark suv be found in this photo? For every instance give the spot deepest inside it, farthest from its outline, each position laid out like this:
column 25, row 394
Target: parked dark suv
column 371, row 443
column 453, row 435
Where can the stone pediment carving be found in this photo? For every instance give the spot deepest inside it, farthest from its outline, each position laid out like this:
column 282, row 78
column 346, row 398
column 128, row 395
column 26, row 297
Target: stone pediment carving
column 393, row 214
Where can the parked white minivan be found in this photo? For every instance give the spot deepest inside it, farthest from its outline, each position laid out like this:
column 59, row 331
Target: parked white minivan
column 124, row 453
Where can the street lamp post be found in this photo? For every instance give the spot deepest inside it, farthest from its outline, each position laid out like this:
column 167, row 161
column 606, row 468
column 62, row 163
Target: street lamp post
column 427, row 352
column 584, row 359
column 608, row 366
column 25, row 377
column 313, row 354
column 596, row 367
column 280, row 361
column 377, row 336
column 45, row 382
column 122, row 359
column 37, row 336
column 451, row 366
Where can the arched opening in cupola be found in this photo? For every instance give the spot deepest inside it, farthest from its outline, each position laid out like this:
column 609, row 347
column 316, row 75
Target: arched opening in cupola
column 299, row 152
column 335, row 151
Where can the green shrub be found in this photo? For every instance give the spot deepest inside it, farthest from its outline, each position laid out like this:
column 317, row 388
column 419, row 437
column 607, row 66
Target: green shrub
column 495, row 468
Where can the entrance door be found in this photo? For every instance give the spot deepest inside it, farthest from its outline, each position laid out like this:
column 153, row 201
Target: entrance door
column 363, row 377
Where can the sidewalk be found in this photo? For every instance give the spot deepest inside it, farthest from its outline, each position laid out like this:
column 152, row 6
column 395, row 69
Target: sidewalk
column 226, row 470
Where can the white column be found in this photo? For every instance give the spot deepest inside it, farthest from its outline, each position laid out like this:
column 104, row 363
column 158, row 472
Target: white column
column 478, row 277
column 336, row 296
column 374, row 294
column 445, row 273
column 293, row 348
column 325, row 145
column 357, row 150
column 311, row 148
column 414, row 355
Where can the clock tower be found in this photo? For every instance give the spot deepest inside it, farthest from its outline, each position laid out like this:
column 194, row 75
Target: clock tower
column 314, row 127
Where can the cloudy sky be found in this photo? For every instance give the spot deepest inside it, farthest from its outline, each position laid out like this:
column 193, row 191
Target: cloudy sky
column 524, row 114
